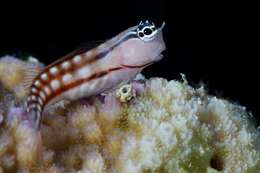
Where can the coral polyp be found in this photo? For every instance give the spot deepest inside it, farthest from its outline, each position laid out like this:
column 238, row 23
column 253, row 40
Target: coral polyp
column 168, row 126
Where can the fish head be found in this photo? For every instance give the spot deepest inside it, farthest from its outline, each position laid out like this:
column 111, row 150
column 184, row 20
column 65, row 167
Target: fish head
column 144, row 46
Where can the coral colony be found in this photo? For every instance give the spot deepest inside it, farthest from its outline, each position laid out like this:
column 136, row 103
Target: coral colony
column 148, row 125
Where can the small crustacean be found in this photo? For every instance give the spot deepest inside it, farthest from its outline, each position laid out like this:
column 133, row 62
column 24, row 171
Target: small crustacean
column 85, row 73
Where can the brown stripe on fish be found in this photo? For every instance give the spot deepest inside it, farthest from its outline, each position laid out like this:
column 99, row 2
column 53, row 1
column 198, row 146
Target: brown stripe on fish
column 58, row 69
column 37, row 88
column 34, row 102
column 74, row 60
column 60, row 84
column 137, row 66
column 69, row 56
column 80, row 81
column 41, row 83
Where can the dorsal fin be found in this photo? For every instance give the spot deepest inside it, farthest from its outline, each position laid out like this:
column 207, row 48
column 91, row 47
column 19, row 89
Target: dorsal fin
column 30, row 72
column 83, row 48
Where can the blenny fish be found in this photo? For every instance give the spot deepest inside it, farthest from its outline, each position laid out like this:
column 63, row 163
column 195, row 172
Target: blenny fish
column 85, row 73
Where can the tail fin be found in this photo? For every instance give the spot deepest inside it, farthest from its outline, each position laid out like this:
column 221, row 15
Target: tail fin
column 38, row 120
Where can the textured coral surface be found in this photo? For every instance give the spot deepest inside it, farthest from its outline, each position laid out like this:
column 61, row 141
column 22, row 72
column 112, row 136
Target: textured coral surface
column 168, row 127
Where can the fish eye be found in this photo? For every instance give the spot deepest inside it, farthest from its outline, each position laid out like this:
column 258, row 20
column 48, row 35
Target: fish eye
column 148, row 31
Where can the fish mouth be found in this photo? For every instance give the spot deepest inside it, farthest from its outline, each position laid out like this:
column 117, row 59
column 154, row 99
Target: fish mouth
column 160, row 56
column 137, row 66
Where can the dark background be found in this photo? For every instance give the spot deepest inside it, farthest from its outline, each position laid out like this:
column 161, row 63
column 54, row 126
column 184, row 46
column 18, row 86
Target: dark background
column 212, row 43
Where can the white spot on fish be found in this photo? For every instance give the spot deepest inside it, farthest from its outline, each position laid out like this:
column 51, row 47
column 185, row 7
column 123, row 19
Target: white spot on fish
column 34, row 90
column 29, row 99
column 33, row 97
column 65, row 65
column 54, row 70
column 47, row 90
column 83, row 71
column 77, row 59
column 40, row 101
column 42, row 95
column 55, row 84
column 37, row 83
column 66, row 78
column 44, row 77
column 39, row 108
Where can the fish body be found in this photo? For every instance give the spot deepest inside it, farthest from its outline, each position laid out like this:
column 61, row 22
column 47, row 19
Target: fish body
column 87, row 73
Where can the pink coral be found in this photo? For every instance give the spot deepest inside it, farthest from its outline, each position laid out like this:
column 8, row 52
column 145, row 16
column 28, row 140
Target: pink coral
column 139, row 87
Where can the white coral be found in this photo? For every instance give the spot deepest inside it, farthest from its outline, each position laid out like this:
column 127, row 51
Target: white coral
column 168, row 127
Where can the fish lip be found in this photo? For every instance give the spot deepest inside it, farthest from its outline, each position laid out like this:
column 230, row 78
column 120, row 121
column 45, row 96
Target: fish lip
column 143, row 65
column 137, row 66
